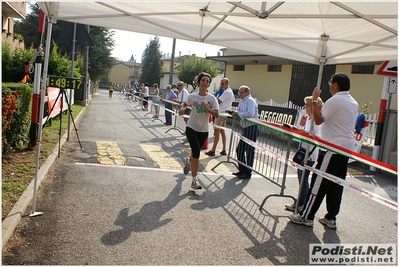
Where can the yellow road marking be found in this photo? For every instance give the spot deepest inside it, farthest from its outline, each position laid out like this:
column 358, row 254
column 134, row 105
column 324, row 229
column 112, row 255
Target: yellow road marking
column 109, row 153
column 160, row 157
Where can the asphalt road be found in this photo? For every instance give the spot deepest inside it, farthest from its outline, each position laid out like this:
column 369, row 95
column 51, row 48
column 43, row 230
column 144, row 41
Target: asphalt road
column 141, row 211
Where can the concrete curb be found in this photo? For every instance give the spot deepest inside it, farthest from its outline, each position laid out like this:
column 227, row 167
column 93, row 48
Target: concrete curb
column 15, row 215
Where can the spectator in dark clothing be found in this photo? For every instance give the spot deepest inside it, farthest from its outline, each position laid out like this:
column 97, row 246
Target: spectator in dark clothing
column 22, row 76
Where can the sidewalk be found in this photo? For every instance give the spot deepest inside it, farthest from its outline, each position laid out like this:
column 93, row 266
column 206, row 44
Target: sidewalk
column 144, row 214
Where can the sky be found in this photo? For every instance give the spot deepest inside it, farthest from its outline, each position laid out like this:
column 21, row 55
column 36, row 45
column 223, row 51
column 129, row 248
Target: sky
column 131, row 43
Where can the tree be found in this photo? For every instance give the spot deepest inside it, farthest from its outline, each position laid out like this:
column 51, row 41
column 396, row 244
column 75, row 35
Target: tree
column 100, row 60
column 151, row 62
column 60, row 65
column 191, row 66
column 12, row 61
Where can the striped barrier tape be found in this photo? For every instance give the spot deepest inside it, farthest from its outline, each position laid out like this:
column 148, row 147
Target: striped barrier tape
column 171, row 102
column 171, row 111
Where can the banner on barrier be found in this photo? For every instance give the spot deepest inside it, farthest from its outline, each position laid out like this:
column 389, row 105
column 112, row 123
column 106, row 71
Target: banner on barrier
column 275, row 114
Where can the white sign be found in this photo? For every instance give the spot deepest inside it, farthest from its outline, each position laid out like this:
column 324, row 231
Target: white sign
column 389, row 68
column 393, row 84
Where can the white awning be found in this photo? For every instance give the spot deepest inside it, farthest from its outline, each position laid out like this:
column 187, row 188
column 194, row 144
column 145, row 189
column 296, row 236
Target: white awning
column 311, row 32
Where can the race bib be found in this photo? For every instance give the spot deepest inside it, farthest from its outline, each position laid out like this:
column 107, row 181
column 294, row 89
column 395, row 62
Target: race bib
column 198, row 109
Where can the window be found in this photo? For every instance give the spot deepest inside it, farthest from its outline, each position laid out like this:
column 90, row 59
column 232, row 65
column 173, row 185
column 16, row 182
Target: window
column 274, row 68
column 362, row 69
column 239, row 68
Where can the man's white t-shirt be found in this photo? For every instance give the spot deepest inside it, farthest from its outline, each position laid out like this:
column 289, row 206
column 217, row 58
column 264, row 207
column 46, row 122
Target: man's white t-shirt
column 339, row 114
column 182, row 96
column 227, row 99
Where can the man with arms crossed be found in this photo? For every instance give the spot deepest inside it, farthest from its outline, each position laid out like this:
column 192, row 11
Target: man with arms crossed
column 247, row 108
column 225, row 101
column 337, row 118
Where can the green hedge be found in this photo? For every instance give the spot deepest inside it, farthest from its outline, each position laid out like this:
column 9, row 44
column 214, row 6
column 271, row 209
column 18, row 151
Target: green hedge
column 17, row 117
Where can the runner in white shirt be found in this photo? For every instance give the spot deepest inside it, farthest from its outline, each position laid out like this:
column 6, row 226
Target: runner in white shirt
column 202, row 105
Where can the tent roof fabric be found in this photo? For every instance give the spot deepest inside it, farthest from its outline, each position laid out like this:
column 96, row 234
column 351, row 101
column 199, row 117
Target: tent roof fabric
column 310, row 32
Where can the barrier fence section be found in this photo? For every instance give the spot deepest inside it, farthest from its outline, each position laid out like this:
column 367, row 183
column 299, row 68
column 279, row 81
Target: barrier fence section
column 154, row 107
column 174, row 110
column 140, row 99
column 267, row 149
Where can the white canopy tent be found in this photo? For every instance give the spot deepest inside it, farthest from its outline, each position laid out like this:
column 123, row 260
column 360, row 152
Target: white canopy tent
column 311, row 32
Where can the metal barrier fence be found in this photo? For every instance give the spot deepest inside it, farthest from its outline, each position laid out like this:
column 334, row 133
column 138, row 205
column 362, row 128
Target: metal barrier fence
column 268, row 148
column 175, row 113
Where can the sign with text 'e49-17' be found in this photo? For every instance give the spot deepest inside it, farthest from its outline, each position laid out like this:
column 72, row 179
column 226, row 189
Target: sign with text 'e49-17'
column 64, row 82
column 389, row 68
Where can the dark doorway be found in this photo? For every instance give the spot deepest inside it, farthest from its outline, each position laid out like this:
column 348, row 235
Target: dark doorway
column 304, row 80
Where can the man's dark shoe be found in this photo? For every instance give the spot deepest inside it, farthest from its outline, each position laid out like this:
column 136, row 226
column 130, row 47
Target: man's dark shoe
column 237, row 173
column 244, row 176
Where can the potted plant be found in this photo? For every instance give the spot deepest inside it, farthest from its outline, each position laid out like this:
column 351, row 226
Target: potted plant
column 18, row 36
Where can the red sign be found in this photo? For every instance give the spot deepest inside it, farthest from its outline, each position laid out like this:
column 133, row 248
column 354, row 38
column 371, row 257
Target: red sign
column 389, row 68
column 53, row 93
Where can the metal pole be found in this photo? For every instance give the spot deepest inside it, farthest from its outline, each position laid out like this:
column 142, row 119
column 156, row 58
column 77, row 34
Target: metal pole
column 41, row 110
column 385, row 127
column 73, row 66
column 86, row 73
column 172, row 62
column 380, row 122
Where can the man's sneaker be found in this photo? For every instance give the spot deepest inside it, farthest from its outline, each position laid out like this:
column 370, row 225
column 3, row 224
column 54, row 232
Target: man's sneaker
column 292, row 207
column 195, row 185
column 187, row 166
column 296, row 218
column 329, row 223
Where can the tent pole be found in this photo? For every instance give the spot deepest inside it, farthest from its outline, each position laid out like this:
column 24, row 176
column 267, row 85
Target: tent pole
column 41, row 111
column 320, row 77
